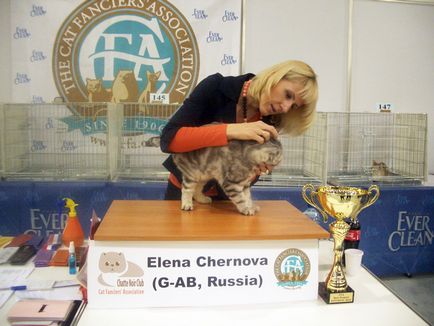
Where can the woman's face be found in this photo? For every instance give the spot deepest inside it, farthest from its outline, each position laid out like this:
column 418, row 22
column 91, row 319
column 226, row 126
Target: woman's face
column 284, row 96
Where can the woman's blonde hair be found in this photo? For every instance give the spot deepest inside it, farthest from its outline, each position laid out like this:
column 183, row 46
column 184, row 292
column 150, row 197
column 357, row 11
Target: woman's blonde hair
column 296, row 121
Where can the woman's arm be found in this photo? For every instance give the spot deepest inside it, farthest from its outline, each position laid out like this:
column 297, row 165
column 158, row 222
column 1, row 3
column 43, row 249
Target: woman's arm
column 191, row 138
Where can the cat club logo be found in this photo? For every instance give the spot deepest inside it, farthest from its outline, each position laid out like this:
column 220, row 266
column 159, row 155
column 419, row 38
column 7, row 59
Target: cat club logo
column 124, row 51
column 291, row 268
column 117, row 271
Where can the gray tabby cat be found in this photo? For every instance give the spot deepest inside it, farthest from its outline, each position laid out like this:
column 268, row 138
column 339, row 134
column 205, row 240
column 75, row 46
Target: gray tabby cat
column 232, row 166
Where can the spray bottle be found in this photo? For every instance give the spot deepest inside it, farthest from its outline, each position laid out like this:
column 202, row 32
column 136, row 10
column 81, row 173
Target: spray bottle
column 72, row 262
column 73, row 230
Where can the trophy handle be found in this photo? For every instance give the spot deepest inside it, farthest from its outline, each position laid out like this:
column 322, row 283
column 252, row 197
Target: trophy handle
column 371, row 199
column 309, row 198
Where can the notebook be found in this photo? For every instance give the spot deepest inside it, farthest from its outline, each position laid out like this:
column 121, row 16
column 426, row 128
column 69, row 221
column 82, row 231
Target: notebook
column 60, row 258
column 55, row 310
column 7, row 253
column 19, row 240
column 36, row 241
column 5, row 240
column 43, row 257
column 22, row 255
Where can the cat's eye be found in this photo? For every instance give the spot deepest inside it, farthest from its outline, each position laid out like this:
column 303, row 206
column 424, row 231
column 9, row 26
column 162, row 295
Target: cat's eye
column 106, row 263
column 117, row 263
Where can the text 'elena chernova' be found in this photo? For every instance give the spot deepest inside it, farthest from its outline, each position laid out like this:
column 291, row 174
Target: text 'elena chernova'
column 205, row 261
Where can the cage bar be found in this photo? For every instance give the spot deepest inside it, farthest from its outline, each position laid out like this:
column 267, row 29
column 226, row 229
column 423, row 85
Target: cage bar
column 304, row 157
column 138, row 146
column 55, row 141
column 383, row 148
column 122, row 141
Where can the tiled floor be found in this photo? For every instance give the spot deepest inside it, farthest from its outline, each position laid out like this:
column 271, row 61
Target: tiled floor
column 416, row 291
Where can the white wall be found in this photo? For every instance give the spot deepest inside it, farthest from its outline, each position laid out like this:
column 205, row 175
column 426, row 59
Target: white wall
column 310, row 30
column 5, row 54
column 388, row 58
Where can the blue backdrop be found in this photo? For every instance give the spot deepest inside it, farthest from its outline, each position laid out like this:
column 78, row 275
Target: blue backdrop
column 397, row 231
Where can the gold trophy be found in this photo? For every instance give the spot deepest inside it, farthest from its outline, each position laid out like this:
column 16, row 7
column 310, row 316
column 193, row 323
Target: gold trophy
column 340, row 203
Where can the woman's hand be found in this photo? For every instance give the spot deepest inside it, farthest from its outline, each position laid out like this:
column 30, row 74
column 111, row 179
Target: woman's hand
column 258, row 131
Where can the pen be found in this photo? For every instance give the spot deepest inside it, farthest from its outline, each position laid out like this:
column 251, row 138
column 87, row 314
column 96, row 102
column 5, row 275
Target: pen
column 15, row 288
column 40, row 286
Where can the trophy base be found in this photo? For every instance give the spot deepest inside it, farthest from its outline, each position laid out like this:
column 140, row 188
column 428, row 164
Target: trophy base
column 335, row 297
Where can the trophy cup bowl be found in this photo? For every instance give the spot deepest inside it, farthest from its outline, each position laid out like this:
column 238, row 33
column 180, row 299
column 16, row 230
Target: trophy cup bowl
column 339, row 203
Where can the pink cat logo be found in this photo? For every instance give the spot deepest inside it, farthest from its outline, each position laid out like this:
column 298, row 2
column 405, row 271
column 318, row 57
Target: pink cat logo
column 114, row 267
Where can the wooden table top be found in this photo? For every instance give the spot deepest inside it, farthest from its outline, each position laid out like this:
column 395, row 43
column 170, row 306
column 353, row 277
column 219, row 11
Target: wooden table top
column 163, row 220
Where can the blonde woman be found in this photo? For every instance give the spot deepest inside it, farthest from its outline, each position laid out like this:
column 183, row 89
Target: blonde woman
column 280, row 99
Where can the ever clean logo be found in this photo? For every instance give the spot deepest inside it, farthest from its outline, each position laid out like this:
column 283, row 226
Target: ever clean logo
column 123, row 51
column 291, row 268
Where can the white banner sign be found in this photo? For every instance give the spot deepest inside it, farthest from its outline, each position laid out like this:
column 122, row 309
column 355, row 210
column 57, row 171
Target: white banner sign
column 65, row 47
column 121, row 275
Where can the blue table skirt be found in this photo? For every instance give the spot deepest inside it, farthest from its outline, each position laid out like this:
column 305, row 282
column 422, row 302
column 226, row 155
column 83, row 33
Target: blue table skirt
column 397, row 231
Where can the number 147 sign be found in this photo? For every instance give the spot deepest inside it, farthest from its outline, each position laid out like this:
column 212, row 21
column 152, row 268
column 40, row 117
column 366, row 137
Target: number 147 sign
column 384, row 107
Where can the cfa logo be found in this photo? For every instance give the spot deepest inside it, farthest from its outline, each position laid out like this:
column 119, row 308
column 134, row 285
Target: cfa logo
column 291, row 268
column 119, row 51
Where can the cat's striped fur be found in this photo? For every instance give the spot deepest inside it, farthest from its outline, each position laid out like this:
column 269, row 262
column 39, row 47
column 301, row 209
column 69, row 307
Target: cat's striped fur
column 232, row 166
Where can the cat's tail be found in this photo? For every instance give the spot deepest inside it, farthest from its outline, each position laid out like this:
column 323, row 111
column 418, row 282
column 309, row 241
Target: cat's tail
column 101, row 281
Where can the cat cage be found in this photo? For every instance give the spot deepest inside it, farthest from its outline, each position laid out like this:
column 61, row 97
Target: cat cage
column 138, row 154
column 304, row 157
column 54, row 141
column 383, row 148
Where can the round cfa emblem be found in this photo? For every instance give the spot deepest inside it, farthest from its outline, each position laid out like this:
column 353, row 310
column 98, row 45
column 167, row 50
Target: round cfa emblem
column 123, row 51
column 291, row 268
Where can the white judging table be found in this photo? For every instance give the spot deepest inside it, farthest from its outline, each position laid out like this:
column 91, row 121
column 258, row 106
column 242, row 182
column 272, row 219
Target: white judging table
column 374, row 304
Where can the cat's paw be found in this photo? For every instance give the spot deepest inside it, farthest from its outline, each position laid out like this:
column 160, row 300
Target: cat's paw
column 249, row 211
column 203, row 199
column 187, row 207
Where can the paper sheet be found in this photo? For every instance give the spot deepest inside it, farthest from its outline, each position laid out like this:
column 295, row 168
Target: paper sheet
column 4, row 296
column 6, row 253
column 12, row 275
column 65, row 293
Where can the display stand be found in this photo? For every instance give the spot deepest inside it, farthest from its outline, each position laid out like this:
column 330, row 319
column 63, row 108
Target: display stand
column 151, row 253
